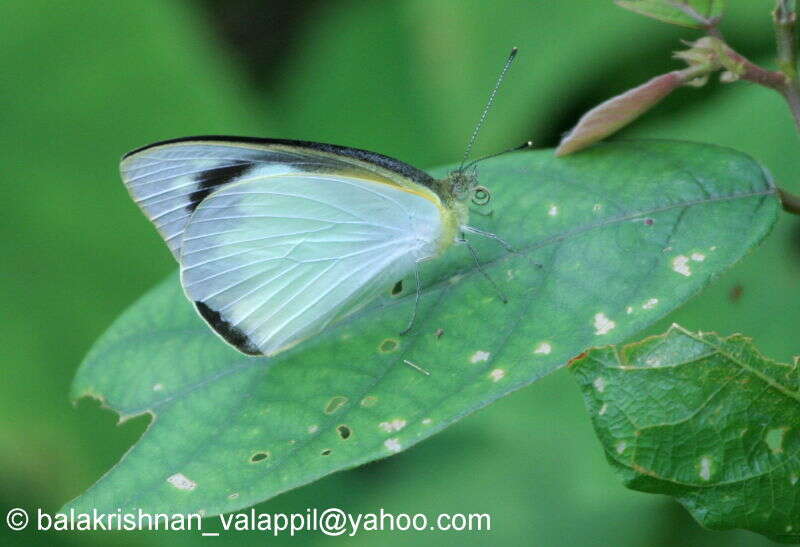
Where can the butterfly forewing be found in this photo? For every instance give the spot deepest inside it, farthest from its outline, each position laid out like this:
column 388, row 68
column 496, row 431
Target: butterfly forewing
column 169, row 180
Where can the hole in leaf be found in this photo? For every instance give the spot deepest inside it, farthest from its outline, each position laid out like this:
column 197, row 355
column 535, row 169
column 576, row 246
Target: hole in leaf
column 344, row 432
column 648, row 221
column 259, row 457
column 326, row 452
column 388, row 345
column 335, row 404
column 398, row 288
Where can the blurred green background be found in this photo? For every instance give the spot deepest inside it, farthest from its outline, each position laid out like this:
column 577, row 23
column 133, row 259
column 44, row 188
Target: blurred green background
column 83, row 82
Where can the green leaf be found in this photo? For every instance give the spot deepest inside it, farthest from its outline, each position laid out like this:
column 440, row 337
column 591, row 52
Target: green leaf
column 687, row 13
column 706, row 419
column 608, row 241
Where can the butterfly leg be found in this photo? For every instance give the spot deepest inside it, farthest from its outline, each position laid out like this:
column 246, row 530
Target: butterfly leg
column 419, row 291
column 506, row 246
column 480, row 268
column 490, row 235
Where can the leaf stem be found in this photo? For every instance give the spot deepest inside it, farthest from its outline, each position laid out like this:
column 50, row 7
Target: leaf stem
column 688, row 10
column 791, row 202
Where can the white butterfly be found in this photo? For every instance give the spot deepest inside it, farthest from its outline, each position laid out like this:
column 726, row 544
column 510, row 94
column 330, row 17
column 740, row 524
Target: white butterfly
column 277, row 239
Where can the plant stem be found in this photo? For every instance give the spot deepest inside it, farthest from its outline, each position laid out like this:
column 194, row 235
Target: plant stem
column 791, row 202
column 785, row 20
column 784, row 81
column 747, row 70
column 792, row 96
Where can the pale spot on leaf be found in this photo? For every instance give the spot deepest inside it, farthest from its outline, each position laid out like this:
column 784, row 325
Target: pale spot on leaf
column 393, row 425
column 233, row 496
column 313, row 428
column 543, row 348
column 599, row 384
column 455, row 279
column 705, row 468
column 621, row 446
column 629, row 310
column 427, row 421
column 553, row 211
column 181, row 482
column 497, row 374
column 158, row 387
column 774, row 439
column 793, row 479
column 602, row 324
column 698, row 257
column 479, row 356
column 392, row 444
column 681, row 265
column 603, row 409
column 650, row 304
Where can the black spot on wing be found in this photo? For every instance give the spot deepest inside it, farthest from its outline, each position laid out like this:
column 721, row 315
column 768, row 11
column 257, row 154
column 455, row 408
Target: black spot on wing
column 230, row 333
column 211, row 179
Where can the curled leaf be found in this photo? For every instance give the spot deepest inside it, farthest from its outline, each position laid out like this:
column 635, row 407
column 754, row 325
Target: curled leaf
column 705, row 419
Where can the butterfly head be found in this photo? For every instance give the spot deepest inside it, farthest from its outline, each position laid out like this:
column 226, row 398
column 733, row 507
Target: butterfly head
column 464, row 187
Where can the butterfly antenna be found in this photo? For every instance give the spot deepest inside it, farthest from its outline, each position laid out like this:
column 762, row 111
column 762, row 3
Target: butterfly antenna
column 488, row 106
column 523, row 146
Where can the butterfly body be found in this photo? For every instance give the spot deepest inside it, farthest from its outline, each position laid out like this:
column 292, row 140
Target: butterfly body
column 278, row 239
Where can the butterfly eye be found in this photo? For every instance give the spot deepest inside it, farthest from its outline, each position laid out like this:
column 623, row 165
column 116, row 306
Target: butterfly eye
column 481, row 195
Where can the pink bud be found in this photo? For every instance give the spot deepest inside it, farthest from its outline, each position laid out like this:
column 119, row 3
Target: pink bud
column 613, row 114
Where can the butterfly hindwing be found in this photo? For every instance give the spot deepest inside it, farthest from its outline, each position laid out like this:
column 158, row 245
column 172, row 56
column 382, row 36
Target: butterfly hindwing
column 274, row 259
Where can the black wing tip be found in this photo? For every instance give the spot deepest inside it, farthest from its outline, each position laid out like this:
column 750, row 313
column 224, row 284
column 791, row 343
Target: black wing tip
column 228, row 332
